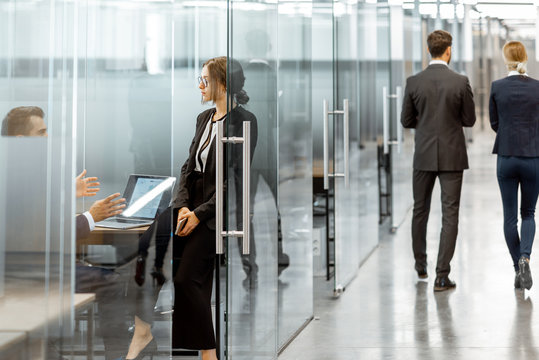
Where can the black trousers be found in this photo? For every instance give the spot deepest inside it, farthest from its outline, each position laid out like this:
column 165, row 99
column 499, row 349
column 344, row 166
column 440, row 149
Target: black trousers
column 192, row 269
column 451, row 185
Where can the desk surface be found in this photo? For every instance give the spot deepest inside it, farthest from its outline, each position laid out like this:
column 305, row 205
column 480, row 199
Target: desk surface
column 103, row 230
column 10, row 339
column 28, row 312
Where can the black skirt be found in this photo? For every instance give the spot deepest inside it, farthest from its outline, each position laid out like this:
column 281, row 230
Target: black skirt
column 193, row 265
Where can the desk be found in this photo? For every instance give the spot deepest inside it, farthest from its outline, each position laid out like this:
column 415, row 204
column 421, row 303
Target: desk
column 26, row 313
column 103, row 236
column 13, row 345
column 114, row 237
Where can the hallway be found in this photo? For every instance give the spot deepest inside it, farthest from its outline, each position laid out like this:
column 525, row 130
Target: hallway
column 388, row 313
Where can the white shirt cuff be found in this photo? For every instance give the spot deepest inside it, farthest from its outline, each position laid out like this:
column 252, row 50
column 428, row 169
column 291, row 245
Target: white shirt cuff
column 91, row 221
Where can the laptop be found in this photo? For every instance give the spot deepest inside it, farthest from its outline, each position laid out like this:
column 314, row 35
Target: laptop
column 145, row 197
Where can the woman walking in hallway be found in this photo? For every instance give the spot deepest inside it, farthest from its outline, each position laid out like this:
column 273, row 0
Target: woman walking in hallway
column 514, row 116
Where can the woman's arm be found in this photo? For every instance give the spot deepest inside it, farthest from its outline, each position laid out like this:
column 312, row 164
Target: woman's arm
column 493, row 110
column 181, row 194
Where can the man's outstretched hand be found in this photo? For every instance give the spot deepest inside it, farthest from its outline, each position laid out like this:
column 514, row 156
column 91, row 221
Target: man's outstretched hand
column 86, row 186
column 107, row 207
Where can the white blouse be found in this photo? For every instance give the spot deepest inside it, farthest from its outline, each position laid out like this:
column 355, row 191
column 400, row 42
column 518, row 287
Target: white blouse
column 514, row 72
column 202, row 153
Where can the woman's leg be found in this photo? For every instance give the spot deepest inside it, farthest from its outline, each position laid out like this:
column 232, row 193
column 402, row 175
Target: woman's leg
column 508, row 181
column 209, row 354
column 529, row 193
column 141, row 338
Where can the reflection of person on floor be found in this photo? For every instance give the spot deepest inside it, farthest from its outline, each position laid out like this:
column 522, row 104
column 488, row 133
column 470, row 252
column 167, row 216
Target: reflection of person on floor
column 149, row 115
column 261, row 83
column 24, row 121
column 194, row 200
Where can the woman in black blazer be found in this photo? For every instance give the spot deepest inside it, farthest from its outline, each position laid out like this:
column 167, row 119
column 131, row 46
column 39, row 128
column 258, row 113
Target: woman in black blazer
column 194, row 200
column 514, row 116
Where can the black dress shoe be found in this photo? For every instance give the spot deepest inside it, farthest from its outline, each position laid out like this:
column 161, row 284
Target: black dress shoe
column 524, row 272
column 422, row 274
column 443, row 283
column 517, row 281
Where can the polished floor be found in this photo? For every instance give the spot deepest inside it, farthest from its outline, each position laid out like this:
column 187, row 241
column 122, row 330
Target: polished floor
column 388, row 313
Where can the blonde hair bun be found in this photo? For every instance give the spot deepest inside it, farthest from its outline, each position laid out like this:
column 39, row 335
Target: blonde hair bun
column 521, row 67
column 515, row 56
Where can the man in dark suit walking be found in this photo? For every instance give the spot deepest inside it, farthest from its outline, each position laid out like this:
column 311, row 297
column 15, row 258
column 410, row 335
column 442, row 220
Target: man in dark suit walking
column 438, row 102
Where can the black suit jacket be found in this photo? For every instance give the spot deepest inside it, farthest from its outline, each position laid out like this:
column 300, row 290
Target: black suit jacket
column 83, row 228
column 514, row 115
column 206, row 211
column 438, row 102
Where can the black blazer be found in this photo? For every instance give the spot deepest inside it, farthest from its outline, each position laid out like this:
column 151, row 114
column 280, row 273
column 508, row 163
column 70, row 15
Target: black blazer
column 206, row 211
column 82, row 227
column 438, row 102
column 514, row 116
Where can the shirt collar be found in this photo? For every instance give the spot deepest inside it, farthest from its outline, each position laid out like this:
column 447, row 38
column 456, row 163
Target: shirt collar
column 514, row 72
column 437, row 62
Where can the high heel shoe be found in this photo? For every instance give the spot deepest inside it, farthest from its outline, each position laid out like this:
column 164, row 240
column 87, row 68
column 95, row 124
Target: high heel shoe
column 149, row 351
column 140, row 270
column 157, row 275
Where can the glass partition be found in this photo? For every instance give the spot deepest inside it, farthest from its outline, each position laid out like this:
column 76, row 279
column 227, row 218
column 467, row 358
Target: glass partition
column 251, row 299
column 37, row 181
column 295, row 243
column 126, row 128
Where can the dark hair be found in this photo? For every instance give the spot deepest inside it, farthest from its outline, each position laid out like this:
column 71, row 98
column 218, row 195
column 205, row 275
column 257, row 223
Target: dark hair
column 438, row 41
column 217, row 69
column 17, row 121
column 237, row 80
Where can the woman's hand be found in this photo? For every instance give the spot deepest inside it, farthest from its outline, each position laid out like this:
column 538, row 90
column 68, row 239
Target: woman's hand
column 192, row 221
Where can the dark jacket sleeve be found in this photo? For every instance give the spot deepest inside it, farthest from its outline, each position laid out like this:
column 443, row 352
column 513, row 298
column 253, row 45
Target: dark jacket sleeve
column 409, row 112
column 181, row 194
column 468, row 106
column 493, row 110
column 83, row 228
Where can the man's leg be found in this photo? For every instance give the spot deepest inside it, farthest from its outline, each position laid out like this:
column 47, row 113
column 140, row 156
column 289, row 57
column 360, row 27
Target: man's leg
column 423, row 183
column 451, row 185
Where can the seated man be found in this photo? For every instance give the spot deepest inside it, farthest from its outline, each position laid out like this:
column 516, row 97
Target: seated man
column 24, row 121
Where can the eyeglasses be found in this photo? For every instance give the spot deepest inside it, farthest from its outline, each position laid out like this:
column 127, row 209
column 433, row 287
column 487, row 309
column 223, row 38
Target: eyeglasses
column 203, row 81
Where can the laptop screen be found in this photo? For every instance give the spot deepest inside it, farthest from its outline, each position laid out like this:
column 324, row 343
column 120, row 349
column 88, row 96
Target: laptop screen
column 147, row 195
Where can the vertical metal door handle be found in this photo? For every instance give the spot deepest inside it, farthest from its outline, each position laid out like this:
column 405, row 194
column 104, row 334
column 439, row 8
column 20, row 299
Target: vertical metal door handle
column 385, row 124
column 326, row 145
column 346, row 141
column 246, row 185
column 219, row 183
column 398, row 117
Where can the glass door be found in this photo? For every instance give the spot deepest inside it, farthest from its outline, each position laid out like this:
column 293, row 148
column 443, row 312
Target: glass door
column 247, row 215
column 397, row 142
column 401, row 140
column 346, row 151
column 348, row 132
